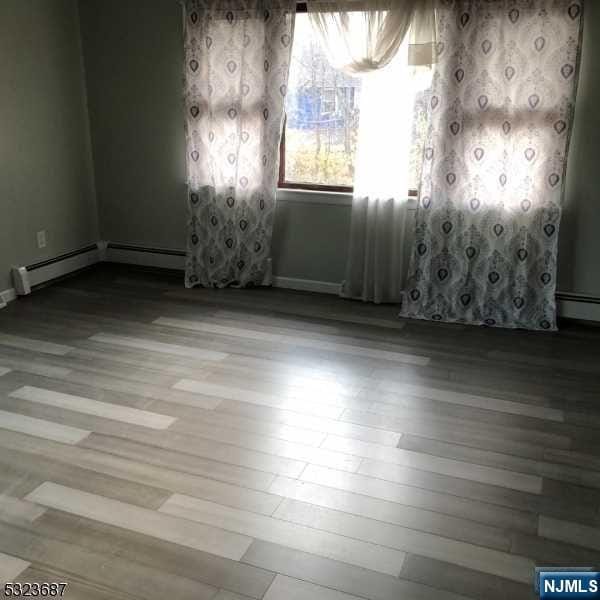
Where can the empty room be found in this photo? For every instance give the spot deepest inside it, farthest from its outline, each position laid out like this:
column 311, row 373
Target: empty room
column 299, row 300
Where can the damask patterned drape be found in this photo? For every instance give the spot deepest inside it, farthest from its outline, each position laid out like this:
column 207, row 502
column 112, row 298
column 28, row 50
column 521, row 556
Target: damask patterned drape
column 490, row 198
column 237, row 56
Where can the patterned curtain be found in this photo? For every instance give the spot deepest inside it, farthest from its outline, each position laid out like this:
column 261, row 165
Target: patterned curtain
column 237, row 56
column 490, row 199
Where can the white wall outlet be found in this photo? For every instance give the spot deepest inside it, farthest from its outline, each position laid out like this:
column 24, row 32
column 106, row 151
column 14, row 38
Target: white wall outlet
column 41, row 238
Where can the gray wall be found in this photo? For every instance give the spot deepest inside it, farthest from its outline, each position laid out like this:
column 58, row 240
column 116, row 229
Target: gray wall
column 579, row 250
column 133, row 66
column 133, row 60
column 46, row 175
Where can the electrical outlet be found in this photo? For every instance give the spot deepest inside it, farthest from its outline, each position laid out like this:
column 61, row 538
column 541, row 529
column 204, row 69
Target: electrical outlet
column 41, row 238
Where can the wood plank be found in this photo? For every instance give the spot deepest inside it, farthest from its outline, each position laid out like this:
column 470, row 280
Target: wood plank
column 156, row 524
column 542, row 468
column 479, row 558
column 159, row 555
column 40, row 428
column 4, row 370
column 142, row 482
column 316, row 423
column 75, row 589
column 447, row 484
column 436, row 464
column 474, row 400
column 392, row 512
column 11, row 567
column 322, row 543
column 242, row 395
column 190, row 457
column 339, row 575
column 437, row 501
column 88, row 406
column 286, row 588
column 34, row 345
column 474, row 584
column 317, row 344
column 17, row 511
column 570, row 532
column 147, row 344
column 106, row 571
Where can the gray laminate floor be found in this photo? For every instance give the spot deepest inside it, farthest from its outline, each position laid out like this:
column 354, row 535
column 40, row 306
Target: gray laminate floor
column 163, row 443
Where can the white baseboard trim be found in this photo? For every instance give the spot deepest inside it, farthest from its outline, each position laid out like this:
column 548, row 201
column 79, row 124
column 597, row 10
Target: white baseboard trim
column 306, row 285
column 174, row 259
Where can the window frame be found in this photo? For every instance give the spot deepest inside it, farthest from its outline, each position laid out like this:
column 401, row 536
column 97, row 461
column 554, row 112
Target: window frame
column 282, row 183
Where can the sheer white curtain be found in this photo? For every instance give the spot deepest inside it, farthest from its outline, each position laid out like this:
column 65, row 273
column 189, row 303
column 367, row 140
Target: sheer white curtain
column 378, row 39
column 361, row 36
column 377, row 259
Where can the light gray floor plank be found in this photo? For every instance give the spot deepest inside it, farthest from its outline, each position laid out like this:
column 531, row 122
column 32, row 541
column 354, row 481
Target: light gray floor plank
column 465, row 488
column 449, row 504
column 377, row 558
column 339, row 575
column 226, row 595
column 104, row 571
column 286, row 588
column 481, row 586
column 75, row 590
column 248, row 449
column 570, row 532
column 175, row 452
column 242, row 395
column 323, row 344
column 496, row 404
column 210, row 569
column 436, row 464
column 41, row 428
column 153, row 480
column 149, row 522
column 392, row 512
column 481, row 559
column 146, row 344
column 16, row 511
column 542, row 468
column 34, row 345
column 11, row 567
column 316, row 423
column 94, row 407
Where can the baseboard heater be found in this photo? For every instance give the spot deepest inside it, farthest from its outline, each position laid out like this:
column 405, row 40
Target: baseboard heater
column 27, row 278
column 578, row 306
column 145, row 256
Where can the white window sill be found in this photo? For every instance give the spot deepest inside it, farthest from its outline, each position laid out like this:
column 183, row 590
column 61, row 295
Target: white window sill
column 323, row 197
column 314, row 197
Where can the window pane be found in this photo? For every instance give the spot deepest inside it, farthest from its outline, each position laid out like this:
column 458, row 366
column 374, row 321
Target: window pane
column 322, row 108
column 322, row 115
column 420, row 121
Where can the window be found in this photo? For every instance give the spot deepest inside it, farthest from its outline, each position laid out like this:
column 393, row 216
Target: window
column 318, row 145
column 321, row 106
